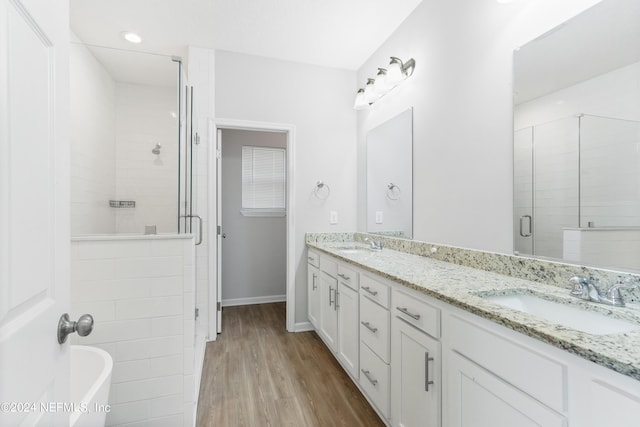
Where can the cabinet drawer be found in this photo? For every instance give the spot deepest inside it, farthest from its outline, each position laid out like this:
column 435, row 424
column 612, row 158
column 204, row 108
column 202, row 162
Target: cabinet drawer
column 416, row 312
column 313, row 258
column 530, row 371
column 374, row 327
column 374, row 379
column 348, row 276
column 374, row 290
column 329, row 266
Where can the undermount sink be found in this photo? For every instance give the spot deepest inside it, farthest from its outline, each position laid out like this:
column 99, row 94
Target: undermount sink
column 571, row 317
column 354, row 249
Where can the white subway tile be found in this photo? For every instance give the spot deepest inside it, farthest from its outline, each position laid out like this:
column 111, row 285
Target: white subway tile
column 166, row 405
column 130, row 371
column 189, row 360
column 147, row 389
column 121, row 413
column 106, row 249
column 96, row 290
column 101, row 311
column 148, row 307
column 189, row 388
column 189, row 413
column 118, row 330
column 165, row 286
column 152, row 347
column 169, row 247
column 164, row 366
column 167, row 326
column 149, row 267
column 97, row 269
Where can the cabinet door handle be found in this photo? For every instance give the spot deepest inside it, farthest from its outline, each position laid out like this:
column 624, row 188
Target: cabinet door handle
column 367, row 374
column 369, row 327
column 427, row 359
column 313, row 282
column 310, row 258
column 408, row 313
column 522, row 233
column 330, row 300
column 368, row 289
column 337, row 300
column 344, row 276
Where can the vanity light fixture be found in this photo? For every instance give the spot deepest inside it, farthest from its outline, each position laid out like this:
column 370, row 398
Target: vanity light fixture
column 131, row 37
column 386, row 79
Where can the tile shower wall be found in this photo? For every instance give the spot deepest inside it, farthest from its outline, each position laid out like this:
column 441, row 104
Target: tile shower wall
column 146, row 116
column 141, row 294
column 92, row 142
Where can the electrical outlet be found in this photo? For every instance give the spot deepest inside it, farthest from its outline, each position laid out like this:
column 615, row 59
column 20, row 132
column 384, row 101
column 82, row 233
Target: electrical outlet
column 333, row 217
column 378, row 217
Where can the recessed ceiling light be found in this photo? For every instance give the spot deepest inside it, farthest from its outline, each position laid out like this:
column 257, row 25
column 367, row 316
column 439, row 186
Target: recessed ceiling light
column 131, row 37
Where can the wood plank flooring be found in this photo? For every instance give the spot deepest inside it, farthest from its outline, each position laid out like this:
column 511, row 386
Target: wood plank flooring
column 258, row 374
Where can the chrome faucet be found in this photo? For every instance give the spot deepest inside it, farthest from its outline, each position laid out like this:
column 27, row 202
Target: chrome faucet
column 584, row 288
column 376, row 245
column 613, row 297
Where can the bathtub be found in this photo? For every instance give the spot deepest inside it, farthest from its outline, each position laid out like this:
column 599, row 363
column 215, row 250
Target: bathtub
column 90, row 381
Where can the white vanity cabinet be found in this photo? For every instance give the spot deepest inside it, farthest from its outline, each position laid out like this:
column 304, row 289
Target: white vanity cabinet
column 375, row 370
column 328, row 329
column 313, row 289
column 347, row 302
column 416, row 384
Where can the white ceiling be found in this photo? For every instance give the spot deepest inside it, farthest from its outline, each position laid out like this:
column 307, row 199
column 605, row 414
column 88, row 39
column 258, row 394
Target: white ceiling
column 601, row 39
column 332, row 33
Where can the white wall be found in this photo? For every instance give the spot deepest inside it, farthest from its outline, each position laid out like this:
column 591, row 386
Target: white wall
column 318, row 101
column 461, row 95
column 254, row 251
column 140, row 293
column 143, row 119
column 93, row 143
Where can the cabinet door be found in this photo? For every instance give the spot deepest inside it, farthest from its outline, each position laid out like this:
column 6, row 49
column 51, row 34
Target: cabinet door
column 348, row 328
column 313, row 295
column 477, row 398
column 328, row 311
column 416, row 385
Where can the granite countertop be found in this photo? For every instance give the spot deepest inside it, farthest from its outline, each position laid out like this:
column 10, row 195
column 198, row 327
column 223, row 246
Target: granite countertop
column 464, row 287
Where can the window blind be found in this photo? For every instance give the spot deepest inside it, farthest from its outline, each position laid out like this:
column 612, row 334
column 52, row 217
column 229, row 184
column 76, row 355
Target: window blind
column 263, row 181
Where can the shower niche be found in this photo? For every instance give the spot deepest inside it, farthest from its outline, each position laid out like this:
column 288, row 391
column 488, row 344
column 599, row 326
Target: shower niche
column 130, row 133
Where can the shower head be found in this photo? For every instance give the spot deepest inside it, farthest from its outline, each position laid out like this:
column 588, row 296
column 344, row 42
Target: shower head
column 156, row 149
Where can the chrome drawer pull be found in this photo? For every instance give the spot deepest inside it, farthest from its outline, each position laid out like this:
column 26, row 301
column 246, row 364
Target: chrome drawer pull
column 344, row 276
column 427, row 359
column 313, row 282
column 368, row 289
column 331, row 301
column 368, row 375
column 408, row 313
column 369, row 327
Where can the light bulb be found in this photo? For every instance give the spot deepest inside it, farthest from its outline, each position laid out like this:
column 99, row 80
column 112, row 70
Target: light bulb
column 131, row 37
column 370, row 94
column 361, row 101
column 395, row 73
column 380, row 84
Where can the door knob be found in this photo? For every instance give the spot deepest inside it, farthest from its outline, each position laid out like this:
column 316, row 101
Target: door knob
column 83, row 326
column 224, row 235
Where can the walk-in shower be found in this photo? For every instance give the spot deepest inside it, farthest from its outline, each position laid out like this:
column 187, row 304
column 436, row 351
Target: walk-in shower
column 130, row 142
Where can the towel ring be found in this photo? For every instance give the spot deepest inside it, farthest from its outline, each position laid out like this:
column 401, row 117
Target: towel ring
column 322, row 190
column 393, row 191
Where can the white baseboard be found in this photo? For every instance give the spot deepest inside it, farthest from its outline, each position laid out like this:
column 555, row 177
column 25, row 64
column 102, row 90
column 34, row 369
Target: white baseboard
column 253, row 300
column 303, row 327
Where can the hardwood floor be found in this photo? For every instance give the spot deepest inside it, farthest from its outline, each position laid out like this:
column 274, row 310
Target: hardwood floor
column 258, row 374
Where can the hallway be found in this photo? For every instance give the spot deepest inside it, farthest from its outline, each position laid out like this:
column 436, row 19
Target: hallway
column 257, row 374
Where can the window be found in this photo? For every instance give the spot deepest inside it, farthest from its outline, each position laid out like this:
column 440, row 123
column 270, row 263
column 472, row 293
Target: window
column 263, row 181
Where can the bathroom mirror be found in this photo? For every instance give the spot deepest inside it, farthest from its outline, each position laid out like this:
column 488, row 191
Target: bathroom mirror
column 124, row 135
column 577, row 140
column 390, row 177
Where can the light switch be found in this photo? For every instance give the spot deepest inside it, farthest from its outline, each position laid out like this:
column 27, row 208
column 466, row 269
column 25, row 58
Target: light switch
column 333, row 217
column 378, row 217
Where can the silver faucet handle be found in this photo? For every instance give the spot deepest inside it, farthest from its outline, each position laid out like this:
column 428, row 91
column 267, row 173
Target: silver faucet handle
column 578, row 285
column 584, row 288
column 613, row 295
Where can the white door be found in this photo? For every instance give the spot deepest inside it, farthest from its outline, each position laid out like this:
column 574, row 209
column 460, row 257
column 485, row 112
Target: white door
column 328, row 313
column 219, row 235
column 313, row 295
column 34, row 210
column 348, row 328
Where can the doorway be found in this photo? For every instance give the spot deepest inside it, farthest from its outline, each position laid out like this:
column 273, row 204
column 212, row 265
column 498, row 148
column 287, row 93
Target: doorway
column 254, row 255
